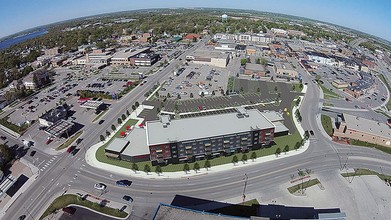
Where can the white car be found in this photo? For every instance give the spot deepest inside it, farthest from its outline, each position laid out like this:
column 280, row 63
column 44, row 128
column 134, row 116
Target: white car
column 100, row 186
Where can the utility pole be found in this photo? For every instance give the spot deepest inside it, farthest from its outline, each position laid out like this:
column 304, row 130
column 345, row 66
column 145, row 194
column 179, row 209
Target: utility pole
column 244, row 189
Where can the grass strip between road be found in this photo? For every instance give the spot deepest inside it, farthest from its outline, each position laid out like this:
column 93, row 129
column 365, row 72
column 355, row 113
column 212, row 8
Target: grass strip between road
column 363, row 172
column 69, row 141
column 304, row 185
column 327, row 125
column 328, row 94
column 99, row 115
column 66, row 200
column 382, row 78
column 366, row 144
column 250, row 202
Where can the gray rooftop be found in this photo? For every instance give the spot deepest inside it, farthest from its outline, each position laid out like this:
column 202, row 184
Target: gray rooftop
column 117, row 145
column 58, row 128
column 205, row 126
column 283, row 65
column 127, row 53
column 273, row 116
column 367, row 126
column 168, row 212
column 280, row 127
column 209, row 53
column 138, row 143
column 255, row 67
column 91, row 104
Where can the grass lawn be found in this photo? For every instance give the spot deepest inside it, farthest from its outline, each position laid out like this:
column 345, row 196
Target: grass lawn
column 250, row 202
column 327, row 126
column 366, row 144
column 328, row 94
column 69, row 141
column 327, row 104
column 297, row 87
column 382, row 78
column 65, row 200
column 362, row 172
column 306, row 184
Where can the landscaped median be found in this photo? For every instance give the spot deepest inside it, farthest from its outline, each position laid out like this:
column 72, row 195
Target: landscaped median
column 69, row 141
column 69, row 199
column 302, row 186
column 363, row 172
column 327, row 124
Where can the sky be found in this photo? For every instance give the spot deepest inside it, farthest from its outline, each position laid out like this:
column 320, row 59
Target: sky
column 372, row 17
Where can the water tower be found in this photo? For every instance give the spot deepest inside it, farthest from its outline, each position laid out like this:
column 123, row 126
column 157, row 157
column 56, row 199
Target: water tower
column 224, row 18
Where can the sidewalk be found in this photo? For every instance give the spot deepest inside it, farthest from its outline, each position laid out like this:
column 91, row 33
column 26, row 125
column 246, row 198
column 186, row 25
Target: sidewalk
column 92, row 161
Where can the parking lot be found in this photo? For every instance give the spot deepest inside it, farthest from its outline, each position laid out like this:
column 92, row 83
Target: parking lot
column 194, row 79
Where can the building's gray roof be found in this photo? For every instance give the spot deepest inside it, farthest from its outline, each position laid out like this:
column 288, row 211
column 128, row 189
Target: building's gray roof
column 280, row 127
column 367, row 126
column 127, row 53
column 206, row 126
column 283, row 65
column 168, row 212
column 138, row 143
column 117, row 145
column 91, row 104
column 273, row 116
column 58, row 128
column 205, row 53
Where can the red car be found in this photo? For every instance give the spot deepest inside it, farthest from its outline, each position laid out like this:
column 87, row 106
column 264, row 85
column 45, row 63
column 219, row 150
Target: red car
column 70, row 149
column 200, row 107
column 49, row 140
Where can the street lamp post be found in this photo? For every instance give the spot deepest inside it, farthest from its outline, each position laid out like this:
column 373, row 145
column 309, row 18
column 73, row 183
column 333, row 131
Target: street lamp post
column 244, row 189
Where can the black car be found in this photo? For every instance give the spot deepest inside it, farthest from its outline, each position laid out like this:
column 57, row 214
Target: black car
column 101, row 122
column 74, row 151
column 32, row 153
column 312, row 132
column 124, row 182
column 22, row 217
column 3, row 137
column 127, row 198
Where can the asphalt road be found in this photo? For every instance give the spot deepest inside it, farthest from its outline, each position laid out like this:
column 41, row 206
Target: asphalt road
column 323, row 156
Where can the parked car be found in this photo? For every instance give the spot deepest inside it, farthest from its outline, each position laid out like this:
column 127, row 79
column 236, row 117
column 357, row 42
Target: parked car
column 100, row 186
column 124, row 182
column 22, row 217
column 312, row 132
column 127, row 198
column 3, row 138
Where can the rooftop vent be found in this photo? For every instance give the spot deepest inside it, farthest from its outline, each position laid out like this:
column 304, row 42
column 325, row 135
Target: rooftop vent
column 165, row 119
column 242, row 112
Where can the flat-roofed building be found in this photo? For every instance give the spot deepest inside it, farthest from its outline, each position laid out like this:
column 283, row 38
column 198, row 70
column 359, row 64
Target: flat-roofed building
column 125, row 56
column 285, row 70
column 116, row 147
column 137, row 150
column 208, row 136
column 362, row 129
column 92, row 104
column 339, row 84
column 255, row 69
column 210, row 58
column 59, row 128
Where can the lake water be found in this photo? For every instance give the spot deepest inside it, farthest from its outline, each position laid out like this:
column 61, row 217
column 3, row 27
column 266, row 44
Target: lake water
column 7, row 43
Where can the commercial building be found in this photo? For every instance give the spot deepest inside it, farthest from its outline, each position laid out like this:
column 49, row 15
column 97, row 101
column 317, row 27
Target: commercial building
column 92, row 104
column 210, row 58
column 54, row 115
column 244, row 37
column 362, row 129
column 360, row 86
column 255, row 69
column 209, row 136
column 285, row 70
column 131, row 56
column 339, row 84
column 36, row 79
column 320, row 58
column 60, row 127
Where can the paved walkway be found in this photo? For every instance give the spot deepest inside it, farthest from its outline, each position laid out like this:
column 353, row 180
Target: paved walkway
column 92, row 161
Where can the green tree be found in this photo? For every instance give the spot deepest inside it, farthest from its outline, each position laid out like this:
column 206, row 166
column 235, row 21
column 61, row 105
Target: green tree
column 133, row 107
column 5, row 155
column 298, row 100
column 253, row 156
column 286, row 149
column 235, row 160
column 244, row 158
column 127, row 112
column 258, row 61
column 178, row 96
column 207, row 164
column 123, row 117
column 263, row 61
column 202, row 94
column 213, row 92
column 102, row 138
column 134, row 167
column 297, row 145
column 113, row 127
column 196, row 167
column 243, row 62
column 258, row 90
column 158, row 170
column 306, row 135
column 147, row 168
column 186, row 168
column 168, row 95
column 119, row 120
column 137, row 104
column 278, row 151
column 107, row 133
